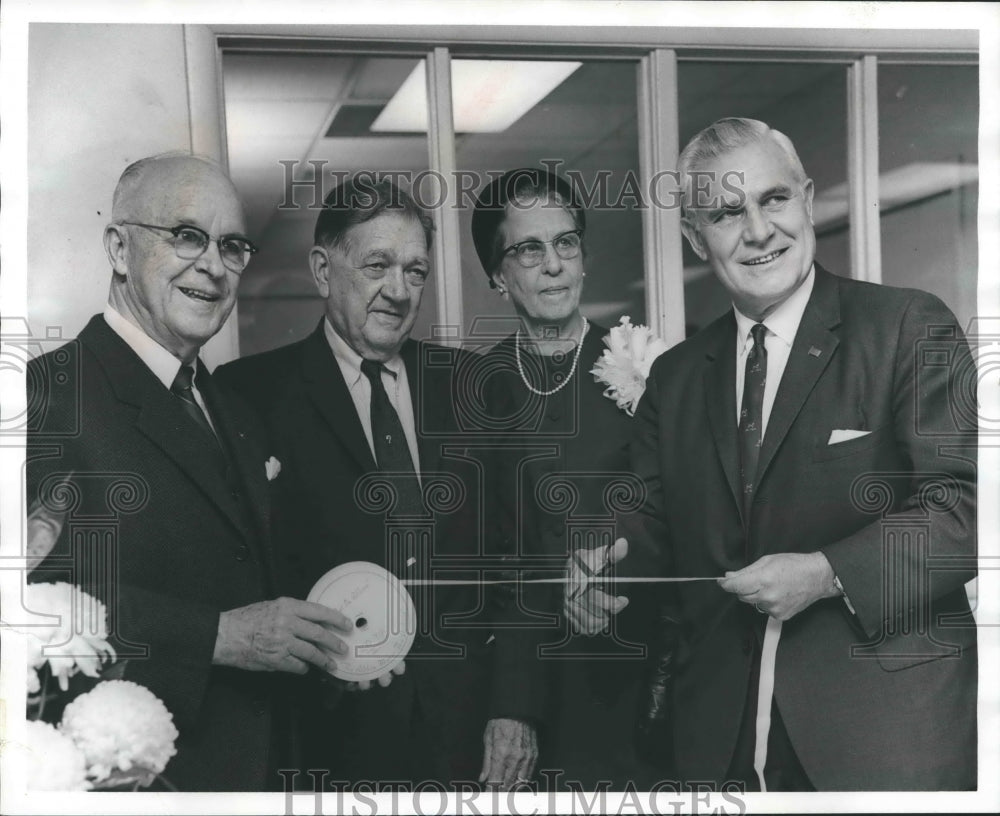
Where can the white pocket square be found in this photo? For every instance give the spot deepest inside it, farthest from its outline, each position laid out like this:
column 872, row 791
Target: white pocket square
column 272, row 467
column 843, row 436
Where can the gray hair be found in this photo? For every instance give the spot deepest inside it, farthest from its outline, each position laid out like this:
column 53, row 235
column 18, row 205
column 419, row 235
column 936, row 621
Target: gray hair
column 362, row 198
column 727, row 136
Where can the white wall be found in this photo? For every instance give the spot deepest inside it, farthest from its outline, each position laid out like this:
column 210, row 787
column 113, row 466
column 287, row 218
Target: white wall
column 99, row 97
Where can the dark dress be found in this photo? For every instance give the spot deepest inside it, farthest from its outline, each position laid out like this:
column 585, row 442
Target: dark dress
column 562, row 480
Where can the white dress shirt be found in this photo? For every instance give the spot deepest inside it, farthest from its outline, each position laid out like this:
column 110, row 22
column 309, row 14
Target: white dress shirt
column 396, row 383
column 781, row 325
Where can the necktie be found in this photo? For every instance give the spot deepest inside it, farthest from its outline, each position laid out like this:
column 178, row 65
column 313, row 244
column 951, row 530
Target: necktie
column 181, row 388
column 751, row 428
column 392, row 454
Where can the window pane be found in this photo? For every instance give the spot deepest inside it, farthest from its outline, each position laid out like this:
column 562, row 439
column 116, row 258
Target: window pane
column 805, row 101
column 928, row 119
column 314, row 113
column 585, row 129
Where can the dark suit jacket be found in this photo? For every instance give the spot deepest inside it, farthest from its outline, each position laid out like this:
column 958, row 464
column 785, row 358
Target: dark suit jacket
column 153, row 528
column 885, row 699
column 301, row 392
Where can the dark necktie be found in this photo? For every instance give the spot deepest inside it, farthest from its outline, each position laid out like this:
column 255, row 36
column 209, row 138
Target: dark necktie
column 392, row 453
column 751, row 429
column 181, row 388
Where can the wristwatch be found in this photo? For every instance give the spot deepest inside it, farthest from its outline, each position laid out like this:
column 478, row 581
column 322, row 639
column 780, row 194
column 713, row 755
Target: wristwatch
column 840, row 588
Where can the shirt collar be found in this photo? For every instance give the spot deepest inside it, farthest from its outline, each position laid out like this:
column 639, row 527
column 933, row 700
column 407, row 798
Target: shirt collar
column 350, row 360
column 161, row 362
column 784, row 321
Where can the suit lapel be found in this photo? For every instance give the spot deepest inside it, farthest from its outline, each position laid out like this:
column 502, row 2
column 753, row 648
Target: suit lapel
column 811, row 352
column 324, row 383
column 427, row 445
column 720, row 401
column 160, row 418
column 232, row 425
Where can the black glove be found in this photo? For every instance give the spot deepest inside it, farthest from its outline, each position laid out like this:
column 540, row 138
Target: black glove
column 654, row 737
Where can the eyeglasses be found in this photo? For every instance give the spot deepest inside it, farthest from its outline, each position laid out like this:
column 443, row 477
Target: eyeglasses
column 532, row 253
column 191, row 243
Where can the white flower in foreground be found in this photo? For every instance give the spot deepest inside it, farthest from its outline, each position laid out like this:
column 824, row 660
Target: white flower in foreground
column 625, row 364
column 120, row 724
column 77, row 641
column 54, row 763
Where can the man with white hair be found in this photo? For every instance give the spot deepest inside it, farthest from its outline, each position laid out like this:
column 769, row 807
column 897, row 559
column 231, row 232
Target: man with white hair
column 813, row 450
column 177, row 467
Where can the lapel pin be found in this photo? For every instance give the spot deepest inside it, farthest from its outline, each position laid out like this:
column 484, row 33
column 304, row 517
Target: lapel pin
column 815, row 352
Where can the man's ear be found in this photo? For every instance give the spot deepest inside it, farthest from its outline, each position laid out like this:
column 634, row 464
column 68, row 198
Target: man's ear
column 498, row 280
column 116, row 247
column 807, row 194
column 319, row 264
column 691, row 232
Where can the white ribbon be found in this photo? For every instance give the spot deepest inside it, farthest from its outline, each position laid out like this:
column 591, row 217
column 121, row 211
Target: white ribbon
column 765, row 694
column 592, row 580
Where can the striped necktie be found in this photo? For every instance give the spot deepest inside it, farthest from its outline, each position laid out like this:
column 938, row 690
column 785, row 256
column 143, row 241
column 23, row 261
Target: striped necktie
column 182, row 389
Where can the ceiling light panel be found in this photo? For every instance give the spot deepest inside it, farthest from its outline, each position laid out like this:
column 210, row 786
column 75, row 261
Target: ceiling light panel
column 488, row 96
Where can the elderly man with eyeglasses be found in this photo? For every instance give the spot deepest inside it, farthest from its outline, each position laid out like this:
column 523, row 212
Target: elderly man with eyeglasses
column 790, row 450
column 176, row 468
column 363, row 417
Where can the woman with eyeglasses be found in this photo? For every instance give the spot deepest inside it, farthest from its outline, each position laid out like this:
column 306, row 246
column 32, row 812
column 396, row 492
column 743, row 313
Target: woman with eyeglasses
column 573, row 699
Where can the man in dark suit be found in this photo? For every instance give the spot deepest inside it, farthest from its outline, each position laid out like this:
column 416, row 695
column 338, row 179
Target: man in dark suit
column 358, row 399
column 160, row 479
column 815, row 449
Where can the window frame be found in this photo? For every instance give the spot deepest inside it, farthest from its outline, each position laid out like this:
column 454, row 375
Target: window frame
column 657, row 52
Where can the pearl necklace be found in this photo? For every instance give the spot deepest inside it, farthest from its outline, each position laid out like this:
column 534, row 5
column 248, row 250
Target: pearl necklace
column 572, row 370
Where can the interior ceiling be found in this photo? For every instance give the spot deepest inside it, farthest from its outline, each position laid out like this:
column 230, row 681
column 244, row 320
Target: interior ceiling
column 279, row 107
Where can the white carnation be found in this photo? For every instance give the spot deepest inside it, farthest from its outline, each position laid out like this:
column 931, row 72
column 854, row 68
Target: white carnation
column 54, row 762
column 74, row 639
column 120, row 724
column 625, row 364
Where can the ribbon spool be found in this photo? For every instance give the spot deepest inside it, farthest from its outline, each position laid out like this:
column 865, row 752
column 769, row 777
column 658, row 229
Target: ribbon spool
column 384, row 617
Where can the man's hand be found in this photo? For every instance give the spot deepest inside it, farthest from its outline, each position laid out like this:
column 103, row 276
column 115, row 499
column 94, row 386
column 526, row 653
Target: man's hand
column 511, row 751
column 383, row 679
column 587, row 608
column 44, row 528
column 280, row 635
column 784, row 584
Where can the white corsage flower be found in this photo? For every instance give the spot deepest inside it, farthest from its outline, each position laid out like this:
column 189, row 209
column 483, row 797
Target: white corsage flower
column 272, row 467
column 54, row 762
column 625, row 364
column 121, row 727
column 77, row 641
